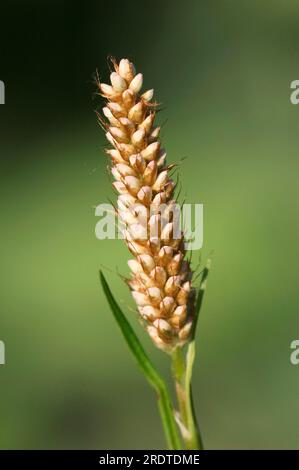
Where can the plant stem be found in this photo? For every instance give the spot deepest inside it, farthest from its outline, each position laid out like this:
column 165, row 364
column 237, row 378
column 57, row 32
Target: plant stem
column 182, row 372
column 167, row 417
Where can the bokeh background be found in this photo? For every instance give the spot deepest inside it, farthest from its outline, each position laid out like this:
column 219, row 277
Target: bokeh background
column 222, row 70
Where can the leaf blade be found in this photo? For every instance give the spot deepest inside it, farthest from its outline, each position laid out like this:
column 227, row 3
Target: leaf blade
column 200, row 295
column 148, row 369
column 129, row 335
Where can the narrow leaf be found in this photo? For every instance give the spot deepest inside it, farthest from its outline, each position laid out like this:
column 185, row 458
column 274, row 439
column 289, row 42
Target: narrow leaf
column 130, row 336
column 200, row 294
column 147, row 368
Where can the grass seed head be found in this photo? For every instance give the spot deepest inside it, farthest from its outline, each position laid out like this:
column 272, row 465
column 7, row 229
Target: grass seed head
column 160, row 277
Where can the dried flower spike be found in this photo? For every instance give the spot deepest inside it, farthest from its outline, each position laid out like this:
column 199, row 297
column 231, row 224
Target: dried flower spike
column 161, row 278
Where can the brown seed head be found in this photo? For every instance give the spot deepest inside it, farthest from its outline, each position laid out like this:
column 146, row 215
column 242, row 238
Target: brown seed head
column 160, row 278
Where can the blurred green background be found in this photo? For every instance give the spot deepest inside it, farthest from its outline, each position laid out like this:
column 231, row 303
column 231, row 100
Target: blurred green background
column 222, row 70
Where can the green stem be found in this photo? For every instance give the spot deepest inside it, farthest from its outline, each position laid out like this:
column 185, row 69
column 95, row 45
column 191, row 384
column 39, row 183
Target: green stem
column 192, row 421
column 167, row 417
column 182, row 372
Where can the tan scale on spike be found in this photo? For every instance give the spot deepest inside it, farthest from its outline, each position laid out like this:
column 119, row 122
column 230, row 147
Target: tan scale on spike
column 160, row 277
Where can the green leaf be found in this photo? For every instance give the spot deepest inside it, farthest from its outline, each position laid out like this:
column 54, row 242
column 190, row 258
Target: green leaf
column 146, row 367
column 200, row 295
